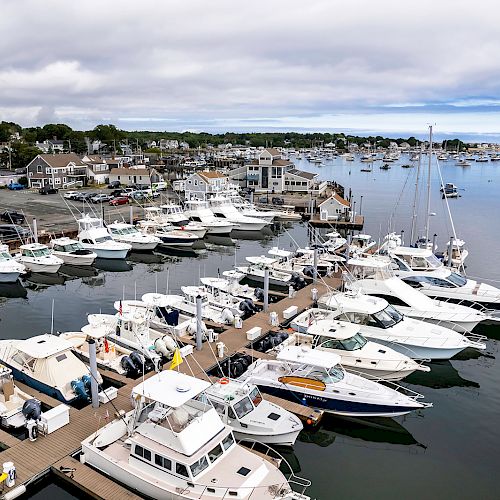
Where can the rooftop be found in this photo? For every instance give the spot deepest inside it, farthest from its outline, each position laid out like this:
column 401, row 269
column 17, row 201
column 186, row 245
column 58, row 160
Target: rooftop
column 62, row 160
column 300, row 173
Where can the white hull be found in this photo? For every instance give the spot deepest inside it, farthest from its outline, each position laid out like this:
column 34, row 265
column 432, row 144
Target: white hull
column 250, row 226
column 143, row 247
column 76, row 260
column 42, row 268
column 418, row 352
column 220, row 229
column 287, row 439
column 103, row 253
column 7, row 277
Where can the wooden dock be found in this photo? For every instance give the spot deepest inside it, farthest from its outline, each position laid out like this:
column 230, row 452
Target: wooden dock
column 55, row 452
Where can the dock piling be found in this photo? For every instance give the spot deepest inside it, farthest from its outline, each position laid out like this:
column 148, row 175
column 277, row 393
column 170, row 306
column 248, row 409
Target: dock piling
column 199, row 321
column 266, row 289
column 35, row 231
column 93, row 373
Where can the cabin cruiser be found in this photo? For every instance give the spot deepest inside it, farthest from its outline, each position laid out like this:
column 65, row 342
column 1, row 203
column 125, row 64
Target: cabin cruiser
column 12, row 400
column 334, row 241
column 361, row 243
column 37, row 258
column 230, row 283
column 375, row 277
column 46, row 363
column 449, row 190
column 127, row 233
column 317, row 379
column 358, row 354
column 384, row 324
column 199, row 212
column 222, row 313
column 256, row 270
column 95, row 237
column 250, row 210
column 301, row 262
column 462, row 163
column 174, row 215
column 72, row 252
column 169, row 236
column 242, row 407
column 224, row 210
column 173, row 445
column 10, row 269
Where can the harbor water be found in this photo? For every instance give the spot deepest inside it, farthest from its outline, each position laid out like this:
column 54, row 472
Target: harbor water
column 450, row 450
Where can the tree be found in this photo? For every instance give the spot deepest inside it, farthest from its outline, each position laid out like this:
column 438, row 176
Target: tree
column 107, row 133
column 21, row 154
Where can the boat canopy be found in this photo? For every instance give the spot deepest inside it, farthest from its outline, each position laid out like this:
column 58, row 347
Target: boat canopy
column 161, row 300
column 267, row 261
column 43, row 346
column 339, row 330
column 307, row 356
column 277, row 252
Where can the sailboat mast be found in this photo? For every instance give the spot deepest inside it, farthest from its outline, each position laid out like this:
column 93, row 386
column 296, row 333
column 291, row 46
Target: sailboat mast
column 428, row 215
column 415, row 199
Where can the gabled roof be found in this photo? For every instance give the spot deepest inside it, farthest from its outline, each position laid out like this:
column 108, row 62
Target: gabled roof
column 300, row 173
column 129, row 171
column 282, row 163
column 272, row 151
column 338, row 199
column 61, row 160
column 211, row 175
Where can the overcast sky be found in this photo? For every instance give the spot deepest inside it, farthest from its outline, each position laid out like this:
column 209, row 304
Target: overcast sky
column 387, row 66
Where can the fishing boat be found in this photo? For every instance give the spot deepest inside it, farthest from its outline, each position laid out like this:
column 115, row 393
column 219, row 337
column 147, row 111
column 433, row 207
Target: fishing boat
column 172, row 445
column 46, row 363
column 37, row 258
column 173, row 214
column 224, row 210
column 169, row 236
column 456, row 256
column 449, row 190
column 317, row 379
column 10, row 269
column 334, row 241
column 127, row 233
column 198, row 211
column 72, row 252
column 242, row 407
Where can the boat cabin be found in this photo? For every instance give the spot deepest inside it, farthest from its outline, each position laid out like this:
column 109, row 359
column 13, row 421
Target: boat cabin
column 34, row 250
column 67, row 245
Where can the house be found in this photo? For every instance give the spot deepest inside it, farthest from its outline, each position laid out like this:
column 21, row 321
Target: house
column 50, row 146
column 97, row 169
column 57, row 170
column 202, row 183
column 129, row 176
column 334, row 208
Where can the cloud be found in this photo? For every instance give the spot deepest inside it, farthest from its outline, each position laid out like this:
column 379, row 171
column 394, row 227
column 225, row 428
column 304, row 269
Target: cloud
column 200, row 64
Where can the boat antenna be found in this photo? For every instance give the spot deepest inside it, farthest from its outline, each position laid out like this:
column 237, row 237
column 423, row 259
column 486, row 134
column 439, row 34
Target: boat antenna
column 428, row 214
column 52, row 319
column 417, row 182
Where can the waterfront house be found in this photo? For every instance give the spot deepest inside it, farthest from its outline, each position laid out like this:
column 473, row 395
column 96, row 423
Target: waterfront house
column 97, row 169
column 133, row 175
column 56, row 170
column 202, row 183
column 334, row 208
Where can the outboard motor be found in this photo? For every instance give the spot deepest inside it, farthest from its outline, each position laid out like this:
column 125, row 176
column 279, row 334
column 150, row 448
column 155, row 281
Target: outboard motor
column 259, row 294
column 79, row 389
column 245, row 308
column 165, row 346
column 128, row 365
column 309, row 271
column 86, row 379
column 32, row 410
column 138, row 360
column 298, row 281
column 251, row 305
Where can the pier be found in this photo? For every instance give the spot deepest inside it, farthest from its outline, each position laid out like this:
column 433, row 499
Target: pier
column 58, row 452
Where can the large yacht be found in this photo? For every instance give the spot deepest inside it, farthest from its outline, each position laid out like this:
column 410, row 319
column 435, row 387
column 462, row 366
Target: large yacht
column 127, row 233
column 173, row 445
column 199, row 211
column 224, row 210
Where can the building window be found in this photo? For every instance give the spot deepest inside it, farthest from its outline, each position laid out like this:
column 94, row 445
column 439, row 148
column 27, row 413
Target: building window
column 31, row 174
column 47, row 170
column 50, row 181
column 64, row 180
column 39, row 169
column 57, row 180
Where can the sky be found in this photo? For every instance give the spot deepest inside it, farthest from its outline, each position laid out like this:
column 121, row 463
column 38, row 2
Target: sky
column 388, row 66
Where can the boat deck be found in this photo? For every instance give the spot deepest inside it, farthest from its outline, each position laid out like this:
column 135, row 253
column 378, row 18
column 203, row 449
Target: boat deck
column 55, row 452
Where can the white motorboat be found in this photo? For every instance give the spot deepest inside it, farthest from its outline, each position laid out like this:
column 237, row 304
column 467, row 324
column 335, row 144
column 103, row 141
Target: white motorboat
column 301, row 262
column 72, row 252
column 256, row 270
column 169, row 236
column 95, row 237
column 361, row 243
column 449, row 190
column 462, row 163
column 375, row 277
column 10, row 269
column 317, row 379
column 233, row 286
column 174, row 215
column 222, row 314
column 198, row 211
column 37, row 258
column 458, row 253
column 250, row 210
column 382, row 323
column 334, row 241
column 358, row 354
column 47, row 364
column 242, row 407
column 172, row 445
column 224, row 210
column 127, row 233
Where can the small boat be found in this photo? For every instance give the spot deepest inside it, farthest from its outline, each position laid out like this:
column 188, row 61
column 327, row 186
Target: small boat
column 449, row 190
column 37, row 258
column 230, row 284
column 462, row 163
column 173, row 445
column 127, row 233
column 95, row 237
column 317, row 379
column 242, row 407
column 406, row 165
column 334, row 241
column 385, row 166
column 198, row 211
column 458, row 253
column 169, row 236
column 10, row 269
column 72, row 252
column 47, row 364
column 173, row 214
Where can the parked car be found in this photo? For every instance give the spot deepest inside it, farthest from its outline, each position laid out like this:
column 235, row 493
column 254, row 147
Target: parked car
column 71, row 195
column 13, row 217
column 114, row 185
column 83, row 196
column 100, row 198
column 118, row 192
column 278, row 201
column 13, row 232
column 48, row 190
column 15, row 186
column 119, row 200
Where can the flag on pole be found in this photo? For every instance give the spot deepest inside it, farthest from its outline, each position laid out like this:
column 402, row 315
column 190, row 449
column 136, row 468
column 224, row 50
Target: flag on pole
column 120, row 310
column 176, row 360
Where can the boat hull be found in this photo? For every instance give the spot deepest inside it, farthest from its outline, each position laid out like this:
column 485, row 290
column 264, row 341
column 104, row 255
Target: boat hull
column 42, row 268
column 76, row 260
column 286, row 439
column 103, row 253
column 9, row 277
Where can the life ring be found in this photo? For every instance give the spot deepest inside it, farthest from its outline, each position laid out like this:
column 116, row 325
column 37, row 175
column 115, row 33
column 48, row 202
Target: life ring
column 224, row 381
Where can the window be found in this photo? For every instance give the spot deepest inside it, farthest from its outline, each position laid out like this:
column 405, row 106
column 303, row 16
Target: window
column 163, row 462
column 64, row 180
column 57, row 180
column 256, row 397
column 39, row 169
column 181, row 469
column 61, row 357
column 199, row 466
column 243, row 471
column 228, row 441
column 47, row 170
column 243, row 407
column 142, row 452
column 231, row 413
column 221, row 409
column 215, row 453
column 457, row 279
column 50, row 181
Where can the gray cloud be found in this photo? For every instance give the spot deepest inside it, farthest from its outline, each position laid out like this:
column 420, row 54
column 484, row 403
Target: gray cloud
column 198, row 64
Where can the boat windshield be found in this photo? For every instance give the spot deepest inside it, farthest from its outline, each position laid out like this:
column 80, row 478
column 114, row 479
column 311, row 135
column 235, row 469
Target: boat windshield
column 72, row 247
column 5, row 256
column 39, row 252
column 102, row 239
column 243, row 407
column 388, row 317
column 354, row 343
column 332, row 376
column 255, row 396
column 457, row 279
column 433, row 261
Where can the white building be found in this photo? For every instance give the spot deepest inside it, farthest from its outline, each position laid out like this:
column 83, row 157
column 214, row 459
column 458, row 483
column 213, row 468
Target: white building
column 202, row 183
column 334, row 208
column 50, row 146
column 128, row 176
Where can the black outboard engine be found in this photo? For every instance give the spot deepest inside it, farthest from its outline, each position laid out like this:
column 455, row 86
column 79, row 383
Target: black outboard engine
column 128, row 365
column 78, row 387
column 32, row 410
column 138, row 360
column 259, row 294
column 245, row 309
column 309, row 271
column 297, row 281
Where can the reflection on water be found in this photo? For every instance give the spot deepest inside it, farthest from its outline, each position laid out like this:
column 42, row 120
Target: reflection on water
column 224, row 241
column 39, row 281
column 113, row 265
column 146, row 257
column 443, row 375
column 13, row 290
column 77, row 271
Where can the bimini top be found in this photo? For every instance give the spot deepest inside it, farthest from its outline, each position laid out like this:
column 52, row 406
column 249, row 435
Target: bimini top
column 43, row 346
column 97, row 331
column 161, row 300
column 339, row 330
column 416, row 252
column 170, row 388
column 267, row 261
column 277, row 252
column 374, row 262
column 307, row 356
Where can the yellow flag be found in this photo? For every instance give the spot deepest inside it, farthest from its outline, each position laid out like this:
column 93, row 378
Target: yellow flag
column 176, row 360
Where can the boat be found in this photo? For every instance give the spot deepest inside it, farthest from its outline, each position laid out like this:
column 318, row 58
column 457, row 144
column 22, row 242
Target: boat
column 198, row 211
column 384, row 324
column 462, row 163
column 72, row 252
column 385, row 166
column 250, row 210
column 242, row 407
column 334, row 241
column 224, row 210
column 361, row 243
column 173, row 445
column 221, row 312
column 317, row 379
column 300, row 262
column 358, row 354
column 37, row 258
column 46, row 363
column 129, row 234
column 449, row 190
column 173, row 214
column 95, row 237
column 458, row 253
column 230, row 283
column 169, row 236
column 10, row 269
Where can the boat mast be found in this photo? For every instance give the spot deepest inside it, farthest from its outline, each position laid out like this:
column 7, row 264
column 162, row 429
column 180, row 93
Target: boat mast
column 414, row 215
column 428, row 215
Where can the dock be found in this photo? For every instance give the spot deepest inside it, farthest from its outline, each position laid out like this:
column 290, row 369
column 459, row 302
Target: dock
column 356, row 223
column 57, row 453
